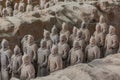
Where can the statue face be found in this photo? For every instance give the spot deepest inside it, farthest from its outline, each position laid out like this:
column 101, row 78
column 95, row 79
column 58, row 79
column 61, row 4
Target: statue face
column 4, row 44
column 54, row 29
column 16, row 50
column 63, row 38
column 92, row 40
column 21, row 9
column 54, row 50
column 30, row 39
column 79, row 34
column 102, row 19
column 112, row 30
column 75, row 30
column 83, row 25
column 47, row 35
column 98, row 28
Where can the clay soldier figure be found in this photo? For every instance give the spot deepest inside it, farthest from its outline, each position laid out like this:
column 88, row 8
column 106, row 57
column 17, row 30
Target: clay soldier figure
column 15, row 9
column 29, row 6
column 16, row 62
column 24, row 42
column 73, row 35
column 55, row 60
column 111, row 42
column 99, row 39
column 42, row 60
column 27, row 69
column 31, row 48
column 76, row 54
column 65, row 31
column 9, row 8
column 46, row 35
column 5, row 56
column 85, row 32
column 63, row 49
column 103, row 24
column 80, row 39
column 92, row 50
column 54, row 35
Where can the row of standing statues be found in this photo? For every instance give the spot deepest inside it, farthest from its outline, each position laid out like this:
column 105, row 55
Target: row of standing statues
column 13, row 9
column 57, row 50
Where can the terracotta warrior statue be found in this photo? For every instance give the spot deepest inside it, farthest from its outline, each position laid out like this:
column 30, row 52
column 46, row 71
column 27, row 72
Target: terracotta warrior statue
column 46, row 35
column 5, row 58
column 99, row 36
column 27, row 69
column 29, row 6
column 92, row 51
column 16, row 62
column 42, row 60
column 111, row 42
column 85, row 32
column 65, row 30
column 76, row 54
column 63, row 49
column 54, row 35
column 73, row 35
column 80, row 38
column 15, row 9
column 9, row 8
column 55, row 61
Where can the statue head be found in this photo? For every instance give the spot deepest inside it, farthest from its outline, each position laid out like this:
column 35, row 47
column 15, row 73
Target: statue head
column 54, row 29
column 64, row 26
column 98, row 28
column 102, row 19
column 83, row 25
column 92, row 40
column 46, row 34
column 4, row 12
column 17, row 50
column 26, row 59
column 75, row 30
column 79, row 34
column 8, row 3
column 112, row 30
column 76, row 44
column 5, row 44
column 43, row 44
column 30, row 39
column 21, row 8
column 63, row 38
column 54, row 50
column 16, row 6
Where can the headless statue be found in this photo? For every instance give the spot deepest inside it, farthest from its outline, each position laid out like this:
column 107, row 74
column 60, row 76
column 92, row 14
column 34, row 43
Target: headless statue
column 54, row 35
column 5, row 56
column 63, row 49
column 92, row 50
column 46, row 35
column 111, row 42
column 55, row 61
column 76, row 54
column 42, row 61
column 27, row 69
column 16, row 62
